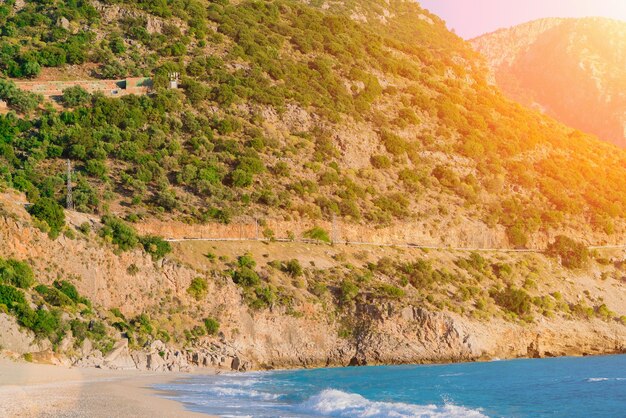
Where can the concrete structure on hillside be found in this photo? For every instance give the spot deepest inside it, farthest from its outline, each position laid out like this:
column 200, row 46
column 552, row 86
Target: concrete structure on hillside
column 110, row 88
column 174, row 80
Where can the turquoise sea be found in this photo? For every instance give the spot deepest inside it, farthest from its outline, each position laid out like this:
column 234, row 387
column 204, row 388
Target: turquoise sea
column 559, row 387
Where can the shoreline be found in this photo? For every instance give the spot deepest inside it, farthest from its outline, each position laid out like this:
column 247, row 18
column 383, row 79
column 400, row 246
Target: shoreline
column 37, row 390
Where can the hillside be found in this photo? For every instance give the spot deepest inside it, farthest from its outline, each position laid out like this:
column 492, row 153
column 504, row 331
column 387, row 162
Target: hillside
column 571, row 69
column 254, row 305
column 308, row 123
column 290, row 112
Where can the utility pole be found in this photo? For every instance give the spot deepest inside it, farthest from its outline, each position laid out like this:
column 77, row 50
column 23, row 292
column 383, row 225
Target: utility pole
column 69, row 204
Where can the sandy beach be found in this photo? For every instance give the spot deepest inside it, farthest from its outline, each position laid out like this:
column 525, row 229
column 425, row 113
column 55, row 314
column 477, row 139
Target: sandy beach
column 35, row 390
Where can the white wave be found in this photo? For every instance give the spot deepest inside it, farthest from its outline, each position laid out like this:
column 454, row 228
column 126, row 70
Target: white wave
column 244, row 393
column 335, row 403
column 605, row 379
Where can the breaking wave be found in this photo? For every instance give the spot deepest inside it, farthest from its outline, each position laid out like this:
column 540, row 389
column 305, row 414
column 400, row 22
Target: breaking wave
column 335, row 403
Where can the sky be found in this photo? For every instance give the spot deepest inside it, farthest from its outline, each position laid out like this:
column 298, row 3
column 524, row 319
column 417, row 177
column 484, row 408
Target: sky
column 470, row 18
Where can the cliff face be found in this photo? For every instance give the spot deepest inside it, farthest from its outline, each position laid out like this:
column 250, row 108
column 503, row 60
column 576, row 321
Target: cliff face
column 572, row 69
column 312, row 331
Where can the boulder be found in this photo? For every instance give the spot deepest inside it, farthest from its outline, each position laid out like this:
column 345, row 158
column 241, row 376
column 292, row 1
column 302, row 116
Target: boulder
column 14, row 339
column 155, row 363
column 94, row 359
column 67, row 343
column 141, row 359
column 119, row 358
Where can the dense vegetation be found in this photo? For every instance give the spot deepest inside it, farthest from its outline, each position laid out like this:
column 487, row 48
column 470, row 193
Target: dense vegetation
column 59, row 307
column 197, row 154
column 481, row 287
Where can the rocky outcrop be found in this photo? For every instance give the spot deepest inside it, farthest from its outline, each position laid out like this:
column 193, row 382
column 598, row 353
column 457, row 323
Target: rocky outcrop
column 369, row 330
column 218, row 355
column 13, row 339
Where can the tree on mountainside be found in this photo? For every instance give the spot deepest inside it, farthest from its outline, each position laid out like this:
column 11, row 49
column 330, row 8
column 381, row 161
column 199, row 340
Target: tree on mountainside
column 75, row 96
column 49, row 211
column 573, row 254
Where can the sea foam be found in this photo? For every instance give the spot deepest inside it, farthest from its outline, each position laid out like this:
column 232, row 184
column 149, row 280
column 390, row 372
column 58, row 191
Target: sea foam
column 605, row 379
column 335, row 403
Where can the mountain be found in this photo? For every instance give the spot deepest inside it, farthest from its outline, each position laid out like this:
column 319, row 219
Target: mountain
column 571, row 69
column 372, row 113
column 373, row 199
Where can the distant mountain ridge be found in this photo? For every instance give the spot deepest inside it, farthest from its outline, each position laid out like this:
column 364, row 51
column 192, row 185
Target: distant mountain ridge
column 571, row 69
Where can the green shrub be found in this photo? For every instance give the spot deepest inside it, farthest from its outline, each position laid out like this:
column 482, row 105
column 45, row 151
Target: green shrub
column 293, row 268
column 75, row 96
column 132, row 269
column 198, row 288
column 19, row 100
column 380, row 161
column 581, row 310
column 319, row 289
column 117, row 313
column 573, row 254
column 70, row 291
column 120, row 233
column 393, row 143
column 348, row 291
column 212, row 326
column 43, row 323
column 318, row 234
column 11, row 297
column 246, row 277
column 603, row 312
column 49, row 211
column 16, row 273
column 163, row 335
column 54, row 296
column 246, row 260
column 79, row 330
column 391, row 291
column 85, row 228
column 513, row 300
column 157, row 247
column 502, row 270
column 141, row 329
column 265, row 297
column 517, row 235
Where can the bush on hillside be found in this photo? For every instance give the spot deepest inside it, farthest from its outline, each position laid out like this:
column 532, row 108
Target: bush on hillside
column 198, row 288
column 49, row 211
column 246, row 277
column 119, row 232
column 53, row 296
column 16, row 273
column 157, row 247
column 75, row 96
column 212, row 326
column 573, row 254
column 292, row 267
column 348, row 291
column 11, row 297
column 514, row 300
column 318, row 234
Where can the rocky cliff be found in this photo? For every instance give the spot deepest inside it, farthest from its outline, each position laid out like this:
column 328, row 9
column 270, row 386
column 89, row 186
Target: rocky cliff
column 571, row 69
column 315, row 329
